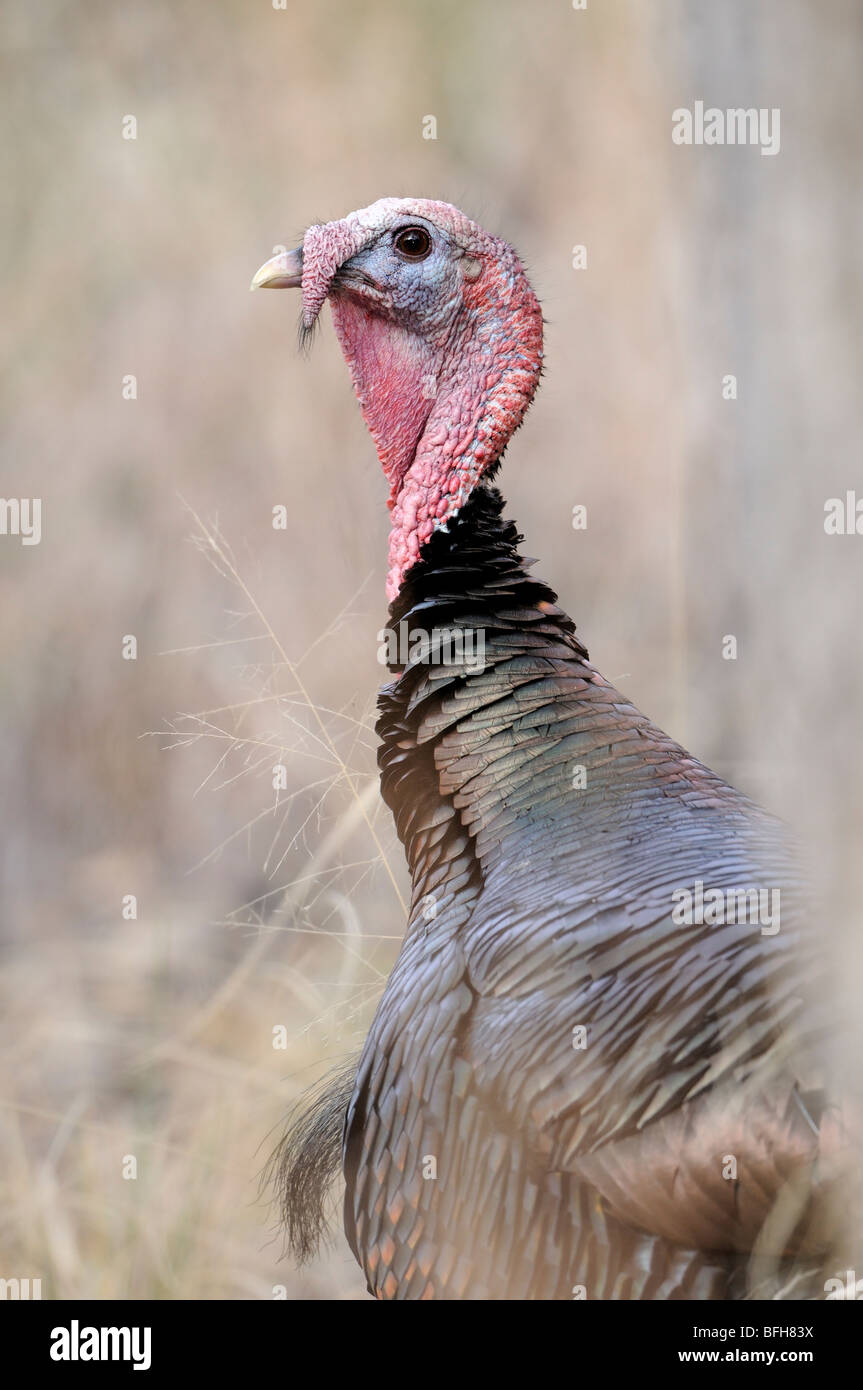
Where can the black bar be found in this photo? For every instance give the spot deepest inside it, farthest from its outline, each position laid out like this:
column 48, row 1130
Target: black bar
column 257, row 1338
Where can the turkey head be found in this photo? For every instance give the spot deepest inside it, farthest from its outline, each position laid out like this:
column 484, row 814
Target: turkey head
column 443, row 337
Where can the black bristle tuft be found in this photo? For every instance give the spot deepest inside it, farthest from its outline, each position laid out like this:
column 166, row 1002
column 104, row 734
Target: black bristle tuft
column 306, row 333
column 308, row 1160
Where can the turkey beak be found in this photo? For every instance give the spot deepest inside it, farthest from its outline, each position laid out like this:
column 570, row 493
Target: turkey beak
column 281, row 272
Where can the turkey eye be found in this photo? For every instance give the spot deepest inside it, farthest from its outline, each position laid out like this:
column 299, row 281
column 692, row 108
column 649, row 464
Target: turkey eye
column 414, row 243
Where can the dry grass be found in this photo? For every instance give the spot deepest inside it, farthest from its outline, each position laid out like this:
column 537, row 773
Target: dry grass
column 188, row 1070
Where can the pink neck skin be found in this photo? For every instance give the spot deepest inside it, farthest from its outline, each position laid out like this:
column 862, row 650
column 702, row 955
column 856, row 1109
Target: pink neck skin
column 442, row 406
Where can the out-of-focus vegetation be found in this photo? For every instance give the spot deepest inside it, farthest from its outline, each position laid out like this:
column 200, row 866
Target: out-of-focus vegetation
column 259, row 910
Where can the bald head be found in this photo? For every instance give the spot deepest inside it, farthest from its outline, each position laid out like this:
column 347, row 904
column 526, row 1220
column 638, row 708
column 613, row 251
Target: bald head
column 443, row 337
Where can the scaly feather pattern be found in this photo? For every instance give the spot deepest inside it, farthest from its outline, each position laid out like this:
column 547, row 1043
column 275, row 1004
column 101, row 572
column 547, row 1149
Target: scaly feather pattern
column 486, row 1156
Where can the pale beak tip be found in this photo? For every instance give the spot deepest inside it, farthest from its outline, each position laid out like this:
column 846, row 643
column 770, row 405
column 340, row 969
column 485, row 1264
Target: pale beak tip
column 281, row 272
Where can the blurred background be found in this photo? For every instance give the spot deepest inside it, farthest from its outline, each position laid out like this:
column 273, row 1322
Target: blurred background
column 266, row 920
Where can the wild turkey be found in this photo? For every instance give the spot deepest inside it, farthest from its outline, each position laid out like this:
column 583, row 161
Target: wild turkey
column 568, row 1088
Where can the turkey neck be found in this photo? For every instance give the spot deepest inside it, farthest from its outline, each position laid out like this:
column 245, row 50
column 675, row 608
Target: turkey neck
column 473, row 759
column 468, row 627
